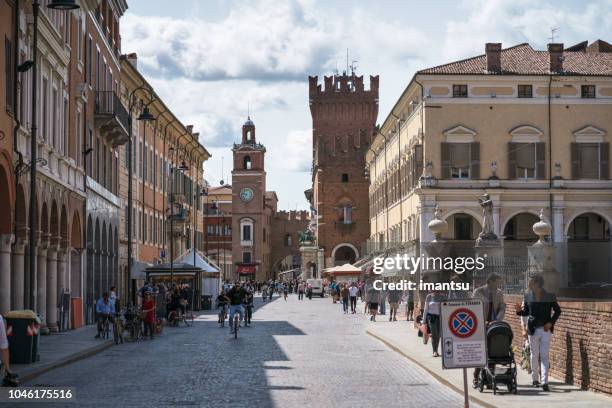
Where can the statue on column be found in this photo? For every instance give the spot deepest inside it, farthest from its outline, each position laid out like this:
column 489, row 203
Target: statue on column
column 487, row 232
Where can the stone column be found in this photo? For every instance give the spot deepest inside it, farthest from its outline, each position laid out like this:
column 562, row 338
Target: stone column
column 41, row 279
column 52, row 288
column 425, row 216
column 5, row 272
column 61, row 271
column 18, row 274
column 496, row 223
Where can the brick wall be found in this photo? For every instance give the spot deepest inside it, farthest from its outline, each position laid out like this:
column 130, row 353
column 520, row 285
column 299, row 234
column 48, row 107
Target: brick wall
column 581, row 348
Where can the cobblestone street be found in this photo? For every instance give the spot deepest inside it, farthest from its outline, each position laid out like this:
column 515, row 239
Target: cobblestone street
column 296, row 353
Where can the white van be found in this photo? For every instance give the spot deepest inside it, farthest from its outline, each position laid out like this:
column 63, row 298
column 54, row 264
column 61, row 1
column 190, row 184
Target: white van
column 317, row 286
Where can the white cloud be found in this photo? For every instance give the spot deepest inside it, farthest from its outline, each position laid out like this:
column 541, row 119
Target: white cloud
column 512, row 22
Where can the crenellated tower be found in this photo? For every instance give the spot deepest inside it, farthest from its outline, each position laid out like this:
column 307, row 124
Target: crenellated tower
column 343, row 120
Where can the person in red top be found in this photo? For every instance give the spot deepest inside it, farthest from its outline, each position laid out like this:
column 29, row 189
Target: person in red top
column 148, row 313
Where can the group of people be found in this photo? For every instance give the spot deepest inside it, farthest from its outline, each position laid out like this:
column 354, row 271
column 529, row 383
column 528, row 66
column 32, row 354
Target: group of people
column 177, row 298
column 238, row 296
column 539, row 312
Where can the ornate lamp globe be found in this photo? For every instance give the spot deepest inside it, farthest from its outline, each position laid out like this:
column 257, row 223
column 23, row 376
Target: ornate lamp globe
column 542, row 228
column 437, row 226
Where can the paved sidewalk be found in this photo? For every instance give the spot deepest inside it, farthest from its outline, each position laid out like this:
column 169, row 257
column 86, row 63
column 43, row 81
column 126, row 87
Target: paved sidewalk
column 58, row 349
column 402, row 337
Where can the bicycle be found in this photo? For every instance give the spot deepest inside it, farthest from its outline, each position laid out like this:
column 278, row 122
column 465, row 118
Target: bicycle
column 236, row 324
column 132, row 325
column 223, row 315
column 118, row 329
column 105, row 332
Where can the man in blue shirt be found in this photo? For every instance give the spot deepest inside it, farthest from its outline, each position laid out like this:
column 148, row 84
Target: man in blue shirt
column 105, row 309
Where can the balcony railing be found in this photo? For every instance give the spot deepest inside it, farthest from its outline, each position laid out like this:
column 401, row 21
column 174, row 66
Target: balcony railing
column 111, row 117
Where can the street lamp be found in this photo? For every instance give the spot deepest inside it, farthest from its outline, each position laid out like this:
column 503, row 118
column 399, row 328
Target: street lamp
column 57, row 5
column 146, row 116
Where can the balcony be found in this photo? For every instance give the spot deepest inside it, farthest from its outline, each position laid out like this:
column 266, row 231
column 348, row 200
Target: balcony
column 111, row 117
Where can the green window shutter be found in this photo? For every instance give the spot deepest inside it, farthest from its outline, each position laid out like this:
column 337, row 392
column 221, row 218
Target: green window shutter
column 540, row 160
column 575, row 158
column 445, row 160
column 475, row 160
column 604, row 161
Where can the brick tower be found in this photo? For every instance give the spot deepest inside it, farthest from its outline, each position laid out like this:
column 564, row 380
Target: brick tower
column 343, row 122
column 250, row 212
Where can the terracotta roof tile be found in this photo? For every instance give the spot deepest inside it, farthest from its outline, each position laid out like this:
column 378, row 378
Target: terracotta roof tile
column 524, row 60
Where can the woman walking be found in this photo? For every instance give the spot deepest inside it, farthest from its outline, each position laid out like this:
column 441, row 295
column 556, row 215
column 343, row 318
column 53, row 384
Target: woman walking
column 431, row 316
column 543, row 311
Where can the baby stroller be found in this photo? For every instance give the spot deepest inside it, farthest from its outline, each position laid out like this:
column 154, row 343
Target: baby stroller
column 501, row 367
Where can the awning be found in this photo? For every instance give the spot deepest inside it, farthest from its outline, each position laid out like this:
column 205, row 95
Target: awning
column 343, row 270
column 246, row 269
column 201, row 261
column 138, row 270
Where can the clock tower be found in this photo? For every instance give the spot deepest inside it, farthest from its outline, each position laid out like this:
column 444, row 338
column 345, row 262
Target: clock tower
column 251, row 212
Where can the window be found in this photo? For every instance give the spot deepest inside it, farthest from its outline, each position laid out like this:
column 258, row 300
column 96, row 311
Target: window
column 288, row 240
column 79, row 135
column 345, row 178
column 346, row 214
column 246, row 232
column 246, row 163
column 89, row 60
column 8, row 72
column 589, row 160
column 45, row 104
column 463, row 227
column 525, row 91
column 246, row 257
column 460, row 91
column 54, row 119
column 525, row 160
column 459, row 160
column 587, row 91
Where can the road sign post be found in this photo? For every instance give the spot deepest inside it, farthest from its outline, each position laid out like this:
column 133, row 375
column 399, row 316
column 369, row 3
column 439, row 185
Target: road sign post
column 464, row 342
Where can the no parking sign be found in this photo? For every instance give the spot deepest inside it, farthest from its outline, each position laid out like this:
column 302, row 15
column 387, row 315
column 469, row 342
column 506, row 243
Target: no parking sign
column 463, row 334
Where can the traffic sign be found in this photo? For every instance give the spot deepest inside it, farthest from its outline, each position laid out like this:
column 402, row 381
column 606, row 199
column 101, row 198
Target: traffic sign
column 463, row 334
column 462, row 323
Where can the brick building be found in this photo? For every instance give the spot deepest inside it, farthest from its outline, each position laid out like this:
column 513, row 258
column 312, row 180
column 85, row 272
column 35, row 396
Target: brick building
column 343, row 121
column 286, row 226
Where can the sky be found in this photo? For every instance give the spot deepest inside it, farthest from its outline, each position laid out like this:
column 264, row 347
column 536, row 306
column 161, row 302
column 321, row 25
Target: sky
column 215, row 61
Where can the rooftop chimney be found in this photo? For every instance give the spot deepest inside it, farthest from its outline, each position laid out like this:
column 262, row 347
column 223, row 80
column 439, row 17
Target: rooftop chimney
column 493, row 52
column 133, row 59
column 555, row 50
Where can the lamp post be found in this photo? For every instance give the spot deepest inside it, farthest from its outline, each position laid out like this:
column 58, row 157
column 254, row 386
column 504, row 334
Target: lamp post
column 33, row 64
column 182, row 167
column 146, row 116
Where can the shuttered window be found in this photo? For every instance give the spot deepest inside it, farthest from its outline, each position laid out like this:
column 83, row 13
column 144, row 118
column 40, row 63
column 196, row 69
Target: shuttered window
column 590, row 161
column 461, row 160
column 8, row 72
column 526, row 160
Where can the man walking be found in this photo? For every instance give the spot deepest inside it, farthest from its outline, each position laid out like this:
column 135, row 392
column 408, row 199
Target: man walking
column 395, row 297
column 300, row 289
column 344, row 293
column 353, row 291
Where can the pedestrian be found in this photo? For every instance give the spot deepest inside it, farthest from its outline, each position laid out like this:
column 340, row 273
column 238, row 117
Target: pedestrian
column 431, row 316
column 543, row 311
column 309, row 291
column 344, row 293
column 395, row 298
column 300, row 289
column 148, row 314
column 373, row 297
column 353, row 291
column 409, row 305
column 9, row 377
column 383, row 301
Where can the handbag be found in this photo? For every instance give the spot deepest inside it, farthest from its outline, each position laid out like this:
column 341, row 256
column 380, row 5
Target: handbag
column 425, row 330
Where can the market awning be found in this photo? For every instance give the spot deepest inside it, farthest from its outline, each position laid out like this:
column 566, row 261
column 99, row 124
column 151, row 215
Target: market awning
column 138, row 270
column 344, row 270
column 201, row 261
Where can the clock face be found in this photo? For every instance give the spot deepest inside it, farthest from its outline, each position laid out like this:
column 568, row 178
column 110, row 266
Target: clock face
column 246, row 194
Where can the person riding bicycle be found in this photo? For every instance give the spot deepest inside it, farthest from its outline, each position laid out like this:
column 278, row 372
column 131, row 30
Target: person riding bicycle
column 236, row 296
column 175, row 302
column 105, row 309
column 248, row 306
column 222, row 301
